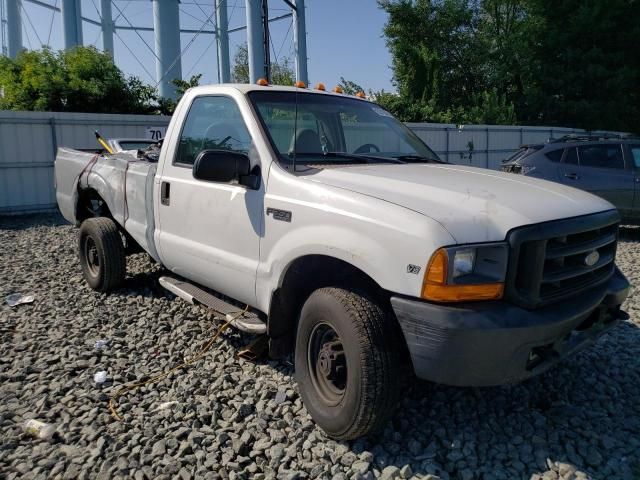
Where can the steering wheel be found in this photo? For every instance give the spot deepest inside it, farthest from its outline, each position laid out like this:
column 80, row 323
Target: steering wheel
column 367, row 148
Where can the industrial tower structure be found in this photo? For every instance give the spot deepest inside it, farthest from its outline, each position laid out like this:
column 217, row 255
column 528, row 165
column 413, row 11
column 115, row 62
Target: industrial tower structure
column 166, row 29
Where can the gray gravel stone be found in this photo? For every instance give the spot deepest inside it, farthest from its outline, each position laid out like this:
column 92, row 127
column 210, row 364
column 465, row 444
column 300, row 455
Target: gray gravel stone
column 235, row 419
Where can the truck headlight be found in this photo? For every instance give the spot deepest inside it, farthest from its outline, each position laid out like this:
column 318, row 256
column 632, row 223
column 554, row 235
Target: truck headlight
column 463, row 262
column 466, row 273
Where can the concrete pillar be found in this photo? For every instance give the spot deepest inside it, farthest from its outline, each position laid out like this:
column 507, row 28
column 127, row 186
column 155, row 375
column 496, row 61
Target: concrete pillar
column 71, row 23
column 255, row 39
column 300, row 42
column 166, row 29
column 14, row 26
column 222, row 39
column 107, row 26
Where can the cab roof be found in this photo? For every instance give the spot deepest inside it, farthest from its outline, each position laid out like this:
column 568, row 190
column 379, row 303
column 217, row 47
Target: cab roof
column 248, row 87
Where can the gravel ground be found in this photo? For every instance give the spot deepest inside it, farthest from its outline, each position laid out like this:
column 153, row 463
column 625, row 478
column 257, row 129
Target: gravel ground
column 234, row 419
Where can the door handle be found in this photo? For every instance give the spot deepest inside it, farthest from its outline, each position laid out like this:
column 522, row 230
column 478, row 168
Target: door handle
column 572, row 176
column 165, row 193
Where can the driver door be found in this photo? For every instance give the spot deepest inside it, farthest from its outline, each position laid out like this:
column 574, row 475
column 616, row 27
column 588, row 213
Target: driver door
column 210, row 232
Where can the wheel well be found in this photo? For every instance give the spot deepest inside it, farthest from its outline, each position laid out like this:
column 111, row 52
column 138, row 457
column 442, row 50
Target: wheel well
column 304, row 276
column 91, row 204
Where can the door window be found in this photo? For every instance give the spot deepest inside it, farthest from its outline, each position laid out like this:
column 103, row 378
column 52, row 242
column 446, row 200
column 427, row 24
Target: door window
column 555, row 155
column 635, row 154
column 571, row 157
column 213, row 123
column 601, row 156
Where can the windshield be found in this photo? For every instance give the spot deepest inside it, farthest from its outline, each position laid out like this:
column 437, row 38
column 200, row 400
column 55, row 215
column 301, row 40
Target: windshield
column 335, row 130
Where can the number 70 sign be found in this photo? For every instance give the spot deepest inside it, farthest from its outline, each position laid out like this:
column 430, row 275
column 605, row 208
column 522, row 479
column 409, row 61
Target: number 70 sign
column 154, row 133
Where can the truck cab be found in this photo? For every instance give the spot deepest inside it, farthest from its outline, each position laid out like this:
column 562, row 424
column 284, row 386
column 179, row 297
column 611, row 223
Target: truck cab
column 354, row 246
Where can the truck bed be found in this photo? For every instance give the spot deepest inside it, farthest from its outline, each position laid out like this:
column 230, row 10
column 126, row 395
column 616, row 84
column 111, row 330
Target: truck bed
column 123, row 180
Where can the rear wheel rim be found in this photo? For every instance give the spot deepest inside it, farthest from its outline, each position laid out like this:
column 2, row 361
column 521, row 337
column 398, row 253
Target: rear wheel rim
column 327, row 364
column 92, row 256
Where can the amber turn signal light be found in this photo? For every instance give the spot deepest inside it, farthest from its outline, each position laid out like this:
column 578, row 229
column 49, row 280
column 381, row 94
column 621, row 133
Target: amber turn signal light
column 361, row 95
column 299, row 84
column 262, row 82
column 436, row 289
column 337, row 89
column 320, row 86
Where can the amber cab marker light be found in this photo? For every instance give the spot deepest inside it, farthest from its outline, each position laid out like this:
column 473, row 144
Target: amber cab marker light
column 361, row 95
column 262, row 82
column 435, row 288
column 337, row 89
column 299, row 84
column 320, row 86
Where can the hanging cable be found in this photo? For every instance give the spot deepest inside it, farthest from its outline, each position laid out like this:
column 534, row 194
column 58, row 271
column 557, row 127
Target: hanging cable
column 183, row 51
column 205, row 13
column 194, row 17
column 133, row 54
column 97, row 11
column 137, row 33
column 30, row 23
column 284, row 39
column 122, row 12
column 199, row 58
column 233, row 9
column 53, row 14
column 95, row 42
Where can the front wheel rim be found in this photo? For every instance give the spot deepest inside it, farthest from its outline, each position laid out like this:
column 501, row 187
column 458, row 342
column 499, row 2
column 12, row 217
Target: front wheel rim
column 92, row 256
column 327, row 364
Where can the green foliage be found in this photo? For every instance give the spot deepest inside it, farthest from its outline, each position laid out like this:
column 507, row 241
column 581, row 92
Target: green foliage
column 571, row 63
column 587, row 63
column 349, row 87
column 78, row 80
column 281, row 72
column 166, row 106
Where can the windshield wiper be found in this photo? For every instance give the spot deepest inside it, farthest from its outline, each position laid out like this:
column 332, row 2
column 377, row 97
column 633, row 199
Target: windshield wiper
column 417, row 159
column 347, row 157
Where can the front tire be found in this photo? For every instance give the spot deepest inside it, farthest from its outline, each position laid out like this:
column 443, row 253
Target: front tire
column 101, row 253
column 347, row 363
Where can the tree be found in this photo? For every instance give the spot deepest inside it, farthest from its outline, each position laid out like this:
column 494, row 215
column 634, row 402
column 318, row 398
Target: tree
column 166, row 106
column 434, row 49
column 439, row 62
column 78, row 80
column 570, row 63
column 281, row 72
column 349, row 87
column 587, row 64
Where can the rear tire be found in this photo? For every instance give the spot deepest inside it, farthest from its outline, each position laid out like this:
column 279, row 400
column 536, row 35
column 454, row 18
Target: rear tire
column 347, row 362
column 101, row 253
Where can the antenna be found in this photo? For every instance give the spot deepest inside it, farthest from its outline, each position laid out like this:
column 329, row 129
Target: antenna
column 295, row 131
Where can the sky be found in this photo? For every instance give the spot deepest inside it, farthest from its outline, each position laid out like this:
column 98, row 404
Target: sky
column 344, row 38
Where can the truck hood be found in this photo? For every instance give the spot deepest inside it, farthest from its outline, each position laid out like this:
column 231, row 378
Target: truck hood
column 472, row 204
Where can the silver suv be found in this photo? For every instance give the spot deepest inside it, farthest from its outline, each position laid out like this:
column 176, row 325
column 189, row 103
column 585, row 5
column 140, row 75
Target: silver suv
column 607, row 166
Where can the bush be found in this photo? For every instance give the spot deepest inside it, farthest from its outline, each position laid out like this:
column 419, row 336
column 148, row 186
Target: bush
column 78, row 80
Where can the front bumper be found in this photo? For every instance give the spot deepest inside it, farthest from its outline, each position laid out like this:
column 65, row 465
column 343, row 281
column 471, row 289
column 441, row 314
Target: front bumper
column 494, row 343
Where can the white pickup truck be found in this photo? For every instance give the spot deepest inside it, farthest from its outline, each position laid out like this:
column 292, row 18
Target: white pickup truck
column 354, row 246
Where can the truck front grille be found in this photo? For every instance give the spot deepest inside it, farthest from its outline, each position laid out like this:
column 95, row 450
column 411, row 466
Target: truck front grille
column 555, row 260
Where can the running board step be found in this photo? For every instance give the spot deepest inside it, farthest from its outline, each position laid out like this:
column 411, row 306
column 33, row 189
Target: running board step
column 247, row 322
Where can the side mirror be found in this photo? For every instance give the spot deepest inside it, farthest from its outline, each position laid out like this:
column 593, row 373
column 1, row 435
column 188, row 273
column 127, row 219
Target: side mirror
column 222, row 166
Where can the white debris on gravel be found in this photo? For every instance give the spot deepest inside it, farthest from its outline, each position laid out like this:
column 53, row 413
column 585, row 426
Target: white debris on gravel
column 239, row 420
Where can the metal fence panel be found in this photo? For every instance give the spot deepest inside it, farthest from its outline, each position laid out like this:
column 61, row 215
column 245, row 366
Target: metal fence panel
column 28, row 141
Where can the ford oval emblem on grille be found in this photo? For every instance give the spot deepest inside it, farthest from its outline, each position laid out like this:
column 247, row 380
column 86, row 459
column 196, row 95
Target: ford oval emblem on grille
column 591, row 259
